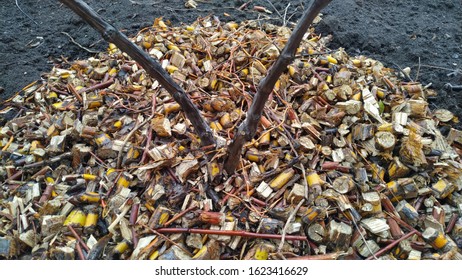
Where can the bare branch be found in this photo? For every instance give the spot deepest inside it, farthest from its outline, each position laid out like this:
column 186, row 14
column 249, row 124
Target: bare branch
column 248, row 128
column 152, row 67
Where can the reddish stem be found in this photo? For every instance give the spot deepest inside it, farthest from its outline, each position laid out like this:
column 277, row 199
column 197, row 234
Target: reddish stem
column 15, row 176
column 147, row 145
column 231, row 233
column 452, row 222
column 134, row 213
column 393, row 244
column 79, row 252
column 76, row 235
column 72, row 89
column 97, row 86
column 47, row 193
column 179, row 215
column 406, row 225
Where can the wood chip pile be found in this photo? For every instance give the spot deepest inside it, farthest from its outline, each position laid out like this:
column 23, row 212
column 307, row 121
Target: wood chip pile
column 98, row 162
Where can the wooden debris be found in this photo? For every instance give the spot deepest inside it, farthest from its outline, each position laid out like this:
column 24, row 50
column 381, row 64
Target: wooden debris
column 339, row 235
column 7, row 247
column 102, row 163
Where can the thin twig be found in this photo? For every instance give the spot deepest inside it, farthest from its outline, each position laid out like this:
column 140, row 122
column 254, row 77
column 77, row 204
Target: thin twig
column 305, row 181
column 179, row 215
column 363, row 238
column 404, row 224
column 49, row 161
column 17, row 5
column 271, row 4
column 80, row 252
column 241, row 233
column 284, row 23
column 97, row 86
column 72, row 89
column 436, row 67
column 156, row 232
column 406, row 75
column 451, row 223
column 418, row 71
column 243, row 6
column 76, row 235
column 391, row 245
column 139, row 3
column 119, row 156
column 289, row 220
column 147, row 145
column 76, row 43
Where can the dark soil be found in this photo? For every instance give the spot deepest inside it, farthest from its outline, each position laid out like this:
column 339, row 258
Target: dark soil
column 396, row 32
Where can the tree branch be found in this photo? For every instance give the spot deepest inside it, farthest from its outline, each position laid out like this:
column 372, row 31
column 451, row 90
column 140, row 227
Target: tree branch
column 248, row 127
column 152, row 67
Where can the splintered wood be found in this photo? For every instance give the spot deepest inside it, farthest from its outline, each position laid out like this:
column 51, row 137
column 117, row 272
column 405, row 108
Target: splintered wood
column 98, row 161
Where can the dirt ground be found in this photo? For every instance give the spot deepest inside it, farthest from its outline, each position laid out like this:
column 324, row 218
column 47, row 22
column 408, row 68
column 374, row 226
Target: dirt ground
column 425, row 35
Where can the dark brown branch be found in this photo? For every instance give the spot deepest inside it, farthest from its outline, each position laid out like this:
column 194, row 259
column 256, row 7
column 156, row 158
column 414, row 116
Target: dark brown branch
column 247, row 129
column 152, row 67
